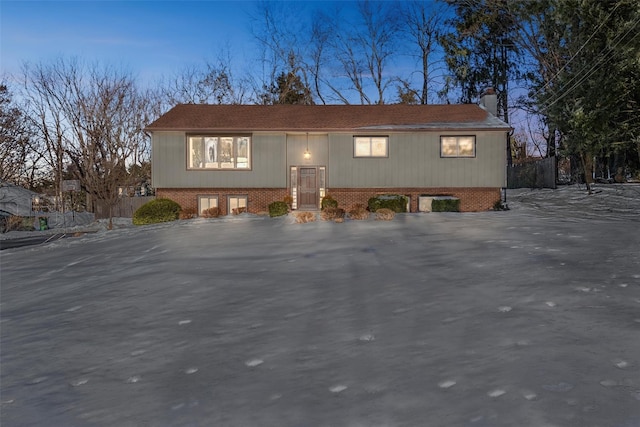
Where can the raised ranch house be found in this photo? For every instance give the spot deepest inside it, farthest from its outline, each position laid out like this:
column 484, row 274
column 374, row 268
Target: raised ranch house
column 247, row 156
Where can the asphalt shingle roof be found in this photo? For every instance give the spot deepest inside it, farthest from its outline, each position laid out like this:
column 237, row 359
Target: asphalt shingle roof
column 309, row 118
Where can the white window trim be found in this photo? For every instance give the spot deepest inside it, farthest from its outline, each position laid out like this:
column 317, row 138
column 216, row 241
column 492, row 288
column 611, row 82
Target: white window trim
column 212, row 148
column 208, row 197
column 371, row 138
column 457, row 146
column 238, row 197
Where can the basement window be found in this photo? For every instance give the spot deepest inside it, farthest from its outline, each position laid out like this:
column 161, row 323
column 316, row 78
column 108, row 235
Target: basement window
column 237, row 204
column 207, row 202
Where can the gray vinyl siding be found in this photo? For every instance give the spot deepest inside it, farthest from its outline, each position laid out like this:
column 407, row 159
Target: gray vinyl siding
column 414, row 161
column 296, row 146
column 169, row 164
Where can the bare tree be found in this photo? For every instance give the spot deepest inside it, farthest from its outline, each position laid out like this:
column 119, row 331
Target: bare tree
column 93, row 117
column 213, row 83
column 17, row 160
column 359, row 50
column 282, row 38
column 43, row 97
column 421, row 24
column 320, row 59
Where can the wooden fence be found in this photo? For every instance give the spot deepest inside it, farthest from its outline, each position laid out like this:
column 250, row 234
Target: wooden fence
column 538, row 174
column 124, row 209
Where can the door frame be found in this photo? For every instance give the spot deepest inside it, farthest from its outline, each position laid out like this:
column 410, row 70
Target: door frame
column 317, row 188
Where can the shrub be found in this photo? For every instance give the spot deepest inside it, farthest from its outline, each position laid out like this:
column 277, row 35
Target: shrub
column 331, row 214
column 304, row 217
column 211, row 213
column 155, row 211
column 385, row 214
column 499, row 205
column 329, row 202
column 188, row 213
column 238, row 211
column 288, row 200
column 278, row 209
column 445, row 205
column 18, row 223
column 358, row 212
column 395, row 202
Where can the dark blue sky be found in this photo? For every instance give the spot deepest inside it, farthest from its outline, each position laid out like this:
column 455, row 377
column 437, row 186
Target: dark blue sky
column 152, row 38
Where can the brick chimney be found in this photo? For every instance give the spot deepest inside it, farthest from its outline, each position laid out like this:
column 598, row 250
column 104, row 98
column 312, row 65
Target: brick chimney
column 489, row 101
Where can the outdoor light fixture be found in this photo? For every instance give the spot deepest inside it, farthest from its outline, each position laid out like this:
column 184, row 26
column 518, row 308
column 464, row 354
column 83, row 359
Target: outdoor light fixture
column 307, row 153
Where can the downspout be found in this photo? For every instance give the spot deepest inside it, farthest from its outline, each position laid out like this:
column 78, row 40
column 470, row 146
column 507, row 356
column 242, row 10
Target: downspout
column 509, row 165
column 150, row 135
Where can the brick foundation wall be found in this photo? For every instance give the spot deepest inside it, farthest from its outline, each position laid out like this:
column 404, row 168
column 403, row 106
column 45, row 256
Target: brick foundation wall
column 471, row 199
column 258, row 199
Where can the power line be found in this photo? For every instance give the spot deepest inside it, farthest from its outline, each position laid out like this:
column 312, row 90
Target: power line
column 580, row 76
column 577, row 52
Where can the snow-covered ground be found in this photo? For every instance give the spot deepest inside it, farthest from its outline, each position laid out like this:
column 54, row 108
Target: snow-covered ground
column 526, row 317
column 607, row 202
column 615, row 202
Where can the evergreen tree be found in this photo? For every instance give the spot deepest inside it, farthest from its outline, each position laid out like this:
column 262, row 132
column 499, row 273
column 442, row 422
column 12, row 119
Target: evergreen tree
column 592, row 89
column 480, row 50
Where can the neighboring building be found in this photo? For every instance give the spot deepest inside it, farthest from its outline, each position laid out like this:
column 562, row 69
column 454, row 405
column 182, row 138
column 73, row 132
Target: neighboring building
column 233, row 156
column 18, row 201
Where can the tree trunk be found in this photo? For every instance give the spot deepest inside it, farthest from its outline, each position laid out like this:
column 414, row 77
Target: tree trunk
column 587, row 166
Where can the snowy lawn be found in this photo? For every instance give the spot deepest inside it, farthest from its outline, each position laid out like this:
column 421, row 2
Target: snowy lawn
column 528, row 317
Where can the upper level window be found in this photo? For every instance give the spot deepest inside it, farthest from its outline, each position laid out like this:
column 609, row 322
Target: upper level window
column 457, row 146
column 371, row 146
column 219, row 152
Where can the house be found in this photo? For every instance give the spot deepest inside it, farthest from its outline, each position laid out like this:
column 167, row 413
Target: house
column 233, row 156
column 16, row 200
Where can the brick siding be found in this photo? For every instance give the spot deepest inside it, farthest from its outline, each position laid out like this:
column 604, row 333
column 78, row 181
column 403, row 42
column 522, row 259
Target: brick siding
column 258, row 199
column 471, row 199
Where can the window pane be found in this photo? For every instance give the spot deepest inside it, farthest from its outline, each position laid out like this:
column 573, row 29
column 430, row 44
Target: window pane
column 449, row 146
column 379, row 147
column 196, row 157
column 237, row 202
column 216, row 152
column 207, row 202
column 465, row 146
column 243, row 153
column 211, row 152
column 363, row 147
column 226, row 152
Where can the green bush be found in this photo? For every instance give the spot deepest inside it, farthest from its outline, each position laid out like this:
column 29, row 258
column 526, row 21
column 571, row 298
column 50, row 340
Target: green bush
column 395, row 202
column 278, row 209
column 445, row 205
column 329, row 202
column 155, row 211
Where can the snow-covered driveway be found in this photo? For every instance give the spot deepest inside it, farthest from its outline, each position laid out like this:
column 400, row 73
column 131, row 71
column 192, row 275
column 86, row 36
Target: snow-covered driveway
column 529, row 317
